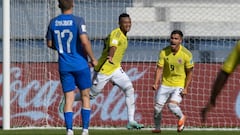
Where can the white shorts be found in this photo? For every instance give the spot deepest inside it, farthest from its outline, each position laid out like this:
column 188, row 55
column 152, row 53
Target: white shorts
column 118, row 77
column 165, row 93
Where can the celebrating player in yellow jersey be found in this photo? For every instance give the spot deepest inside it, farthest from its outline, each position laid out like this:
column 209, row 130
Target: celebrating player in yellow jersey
column 175, row 66
column 109, row 67
column 228, row 67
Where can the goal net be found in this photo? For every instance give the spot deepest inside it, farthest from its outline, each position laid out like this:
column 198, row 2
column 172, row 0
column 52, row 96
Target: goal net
column 211, row 29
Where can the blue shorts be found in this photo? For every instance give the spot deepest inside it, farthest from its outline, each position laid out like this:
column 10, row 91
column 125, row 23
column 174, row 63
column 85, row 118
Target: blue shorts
column 71, row 79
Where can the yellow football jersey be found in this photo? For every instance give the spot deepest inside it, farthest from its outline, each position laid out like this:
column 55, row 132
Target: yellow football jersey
column 174, row 66
column 232, row 60
column 119, row 40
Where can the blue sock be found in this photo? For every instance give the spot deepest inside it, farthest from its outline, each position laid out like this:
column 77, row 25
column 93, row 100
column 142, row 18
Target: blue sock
column 85, row 117
column 68, row 120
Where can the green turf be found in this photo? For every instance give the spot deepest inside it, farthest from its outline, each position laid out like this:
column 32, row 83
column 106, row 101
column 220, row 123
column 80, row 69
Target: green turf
column 113, row 132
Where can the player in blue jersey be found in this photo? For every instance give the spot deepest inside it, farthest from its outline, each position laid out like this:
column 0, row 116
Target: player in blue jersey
column 68, row 36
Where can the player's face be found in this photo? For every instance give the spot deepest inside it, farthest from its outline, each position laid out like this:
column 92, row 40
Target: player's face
column 175, row 40
column 125, row 24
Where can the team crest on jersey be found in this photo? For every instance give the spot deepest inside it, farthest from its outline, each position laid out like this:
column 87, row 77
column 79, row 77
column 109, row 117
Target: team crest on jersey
column 180, row 61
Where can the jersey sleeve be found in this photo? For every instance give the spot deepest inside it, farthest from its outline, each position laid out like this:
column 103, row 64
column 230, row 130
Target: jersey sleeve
column 82, row 28
column 114, row 39
column 49, row 32
column 189, row 61
column 232, row 60
column 160, row 62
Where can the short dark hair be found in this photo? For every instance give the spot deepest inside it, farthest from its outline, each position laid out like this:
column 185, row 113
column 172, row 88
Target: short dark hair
column 179, row 32
column 123, row 15
column 65, row 4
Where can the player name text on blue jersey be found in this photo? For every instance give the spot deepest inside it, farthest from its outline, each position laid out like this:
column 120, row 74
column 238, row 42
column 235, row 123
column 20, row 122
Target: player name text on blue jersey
column 63, row 23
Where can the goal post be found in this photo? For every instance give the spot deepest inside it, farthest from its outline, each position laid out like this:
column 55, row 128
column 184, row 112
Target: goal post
column 210, row 28
column 6, row 65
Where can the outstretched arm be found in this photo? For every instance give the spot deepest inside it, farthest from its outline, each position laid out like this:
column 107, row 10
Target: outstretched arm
column 216, row 89
column 217, row 86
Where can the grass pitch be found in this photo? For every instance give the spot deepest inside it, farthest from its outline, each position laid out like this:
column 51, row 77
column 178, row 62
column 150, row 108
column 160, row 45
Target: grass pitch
column 113, row 132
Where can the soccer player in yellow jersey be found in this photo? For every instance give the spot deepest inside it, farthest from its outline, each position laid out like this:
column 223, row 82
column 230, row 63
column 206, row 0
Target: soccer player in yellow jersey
column 228, row 67
column 109, row 67
column 174, row 68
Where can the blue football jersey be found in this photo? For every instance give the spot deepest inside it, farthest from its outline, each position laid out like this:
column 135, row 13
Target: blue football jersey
column 64, row 31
